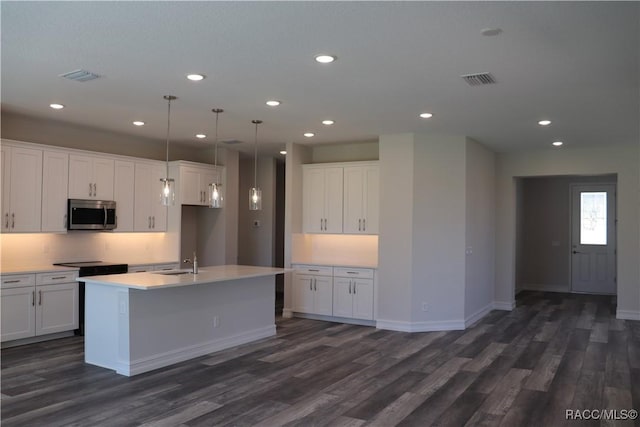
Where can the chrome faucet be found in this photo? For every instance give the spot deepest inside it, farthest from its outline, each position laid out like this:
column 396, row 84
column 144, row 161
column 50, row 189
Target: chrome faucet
column 193, row 263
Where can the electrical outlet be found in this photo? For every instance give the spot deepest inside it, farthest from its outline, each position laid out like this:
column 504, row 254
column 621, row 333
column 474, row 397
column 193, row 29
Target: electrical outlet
column 256, row 223
column 216, row 321
column 424, row 306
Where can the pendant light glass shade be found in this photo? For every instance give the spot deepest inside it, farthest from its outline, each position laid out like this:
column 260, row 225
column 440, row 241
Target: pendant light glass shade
column 168, row 193
column 215, row 188
column 255, row 194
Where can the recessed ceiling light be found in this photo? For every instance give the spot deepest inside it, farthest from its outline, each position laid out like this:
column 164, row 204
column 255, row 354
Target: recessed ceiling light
column 426, row 115
column 490, row 31
column 544, row 122
column 328, row 122
column 201, row 135
column 195, row 77
column 56, row 106
column 309, row 134
column 557, row 143
column 283, row 152
column 325, row 59
column 273, row 103
column 138, row 123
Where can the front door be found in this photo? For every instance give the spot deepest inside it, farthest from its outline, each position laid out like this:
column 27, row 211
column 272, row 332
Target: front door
column 593, row 238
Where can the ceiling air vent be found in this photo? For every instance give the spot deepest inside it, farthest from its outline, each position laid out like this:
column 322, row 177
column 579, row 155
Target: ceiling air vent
column 80, row 75
column 478, row 79
column 231, row 142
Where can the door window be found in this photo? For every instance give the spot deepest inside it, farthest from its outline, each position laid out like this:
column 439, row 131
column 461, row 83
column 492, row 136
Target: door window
column 593, row 218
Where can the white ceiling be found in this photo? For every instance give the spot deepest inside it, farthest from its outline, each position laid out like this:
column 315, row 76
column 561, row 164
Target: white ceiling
column 575, row 63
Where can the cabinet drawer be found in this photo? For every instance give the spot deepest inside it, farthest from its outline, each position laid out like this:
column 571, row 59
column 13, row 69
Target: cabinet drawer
column 163, row 267
column 363, row 273
column 53, row 278
column 140, row 268
column 18, row 280
column 315, row 270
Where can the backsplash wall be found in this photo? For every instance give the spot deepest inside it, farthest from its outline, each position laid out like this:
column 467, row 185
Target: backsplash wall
column 26, row 250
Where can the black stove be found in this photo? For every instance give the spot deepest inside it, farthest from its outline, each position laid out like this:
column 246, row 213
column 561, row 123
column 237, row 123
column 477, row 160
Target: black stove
column 91, row 268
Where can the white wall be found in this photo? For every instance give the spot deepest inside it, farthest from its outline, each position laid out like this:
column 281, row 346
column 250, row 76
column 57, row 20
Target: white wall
column 620, row 160
column 480, row 229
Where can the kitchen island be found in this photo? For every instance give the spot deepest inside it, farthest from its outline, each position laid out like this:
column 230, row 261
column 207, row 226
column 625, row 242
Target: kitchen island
column 138, row 322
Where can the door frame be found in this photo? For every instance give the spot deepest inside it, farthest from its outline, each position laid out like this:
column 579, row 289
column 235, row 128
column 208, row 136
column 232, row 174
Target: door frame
column 571, row 224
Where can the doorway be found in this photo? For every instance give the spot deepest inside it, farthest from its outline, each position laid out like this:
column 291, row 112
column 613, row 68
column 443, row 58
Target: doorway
column 545, row 234
column 593, row 238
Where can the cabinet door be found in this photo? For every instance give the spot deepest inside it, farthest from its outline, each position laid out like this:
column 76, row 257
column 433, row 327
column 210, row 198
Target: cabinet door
column 18, row 313
column 313, row 200
column 55, row 181
column 353, row 199
column 158, row 210
column 303, row 293
column 190, row 191
column 124, row 194
column 57, row 308
column 323, row 298
column 371, row 200
column 6, row 186
column 144, row 193
column 80, row 177
column 25, row 195
column 103, row 171
column 342, row 297
column 333, row 200
column 363, row 299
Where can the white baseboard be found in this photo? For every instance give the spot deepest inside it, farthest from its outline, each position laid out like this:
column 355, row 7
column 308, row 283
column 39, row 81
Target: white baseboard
column 428, row 326
column 160, row 360
column 478, row 315
column 504, row 305
column 628, row 314
column 349, row 320
column 39, row 338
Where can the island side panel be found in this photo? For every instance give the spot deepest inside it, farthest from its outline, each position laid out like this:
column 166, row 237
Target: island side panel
column 106, row 340
column 171, row 325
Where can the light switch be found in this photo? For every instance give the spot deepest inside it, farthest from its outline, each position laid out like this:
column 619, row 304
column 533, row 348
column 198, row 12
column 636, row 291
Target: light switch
column 256, row 223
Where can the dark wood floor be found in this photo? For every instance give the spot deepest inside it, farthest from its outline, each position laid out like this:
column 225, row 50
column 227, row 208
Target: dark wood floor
column 525, row 367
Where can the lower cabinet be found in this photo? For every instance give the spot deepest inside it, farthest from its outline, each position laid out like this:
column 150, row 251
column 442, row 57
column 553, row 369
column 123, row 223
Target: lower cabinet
column 141, row 268
column 334, row 291
column 313, row 294
column 38, row 304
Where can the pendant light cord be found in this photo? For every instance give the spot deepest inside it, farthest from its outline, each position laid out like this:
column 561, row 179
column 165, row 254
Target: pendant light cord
column 255, row 158
column 215, row 150
column 168, row 129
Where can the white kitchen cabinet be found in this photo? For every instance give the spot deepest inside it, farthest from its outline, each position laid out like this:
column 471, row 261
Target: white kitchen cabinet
column 322, row 199
column 38, row 304
column 124, row 194
column 353, row 293
column 313, row 290
column 361, row 199
column 55, row 191
column 194, row 183
column 149, row 213
column 21, row 189
column 91, row 177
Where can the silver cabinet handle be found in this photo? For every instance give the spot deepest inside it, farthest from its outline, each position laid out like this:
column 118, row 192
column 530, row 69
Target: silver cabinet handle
column 33, row 298
column 13, row 220
column 95, row 189
column 59, row 278
column 149, row 223
column 359, row 224
column 349, row 287
column 315, row 284
column 364, row 224
column 90, row 190
column 153, row 222
column 6, row 220
column 104, row 224
column 310, row 284
column 11, row 281
column 320, row 224
column 354, row 287
column 39, row 297
column 311, row 269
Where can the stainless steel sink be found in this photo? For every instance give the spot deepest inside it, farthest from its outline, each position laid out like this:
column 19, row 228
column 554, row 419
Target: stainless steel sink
column 173, row 272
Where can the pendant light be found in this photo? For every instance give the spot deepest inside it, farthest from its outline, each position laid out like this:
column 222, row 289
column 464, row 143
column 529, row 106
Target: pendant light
column 168, row 194
column 215, row 188
column 255, row 194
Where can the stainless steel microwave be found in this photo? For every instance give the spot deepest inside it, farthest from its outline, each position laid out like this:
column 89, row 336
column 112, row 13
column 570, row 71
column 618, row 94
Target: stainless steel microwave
column 91, row 214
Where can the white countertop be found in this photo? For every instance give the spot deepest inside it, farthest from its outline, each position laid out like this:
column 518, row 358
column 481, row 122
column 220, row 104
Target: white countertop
column 156, row 280
column 33, row 269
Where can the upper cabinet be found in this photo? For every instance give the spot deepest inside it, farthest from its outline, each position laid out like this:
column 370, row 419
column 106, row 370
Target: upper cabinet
column 91, row 177
column 361, row 199
column 322, row 199
column 341, row 198
column 123, row 194
column 194, row 182
column 55, row 178
column 149, row 213
column 21, row 189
